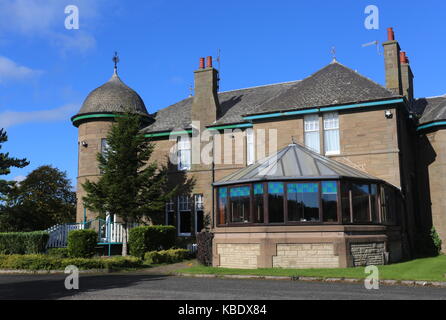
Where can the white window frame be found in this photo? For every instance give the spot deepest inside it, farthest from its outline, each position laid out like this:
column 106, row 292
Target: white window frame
column 311, row 125
column 250, row 147
column 184, row 205
column 170, row 207
column 184, row 145
column 199, row 206
column 331, row 123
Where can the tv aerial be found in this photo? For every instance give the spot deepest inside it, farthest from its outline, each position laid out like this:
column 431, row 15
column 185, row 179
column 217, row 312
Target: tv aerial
column 373, row 43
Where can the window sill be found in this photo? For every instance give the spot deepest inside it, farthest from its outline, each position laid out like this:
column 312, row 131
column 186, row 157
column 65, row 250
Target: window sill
column 327, row 154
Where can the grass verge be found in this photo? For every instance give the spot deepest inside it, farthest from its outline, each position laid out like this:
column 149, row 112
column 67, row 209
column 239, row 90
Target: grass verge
column 426, row 269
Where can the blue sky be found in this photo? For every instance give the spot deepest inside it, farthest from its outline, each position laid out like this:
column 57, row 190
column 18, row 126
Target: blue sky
column 46, row 71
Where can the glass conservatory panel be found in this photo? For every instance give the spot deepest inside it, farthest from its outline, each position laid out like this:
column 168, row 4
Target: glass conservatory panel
column 330, row 201
column 345, row 200
column 360, row 200
column 374, row 202
column 303, row 202
column 275, row 202
column 258, row 203
column 222, row 204
column 240, row 204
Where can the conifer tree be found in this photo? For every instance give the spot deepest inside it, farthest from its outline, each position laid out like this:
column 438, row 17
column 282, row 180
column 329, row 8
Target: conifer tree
column 129, row 187
column 6, row 163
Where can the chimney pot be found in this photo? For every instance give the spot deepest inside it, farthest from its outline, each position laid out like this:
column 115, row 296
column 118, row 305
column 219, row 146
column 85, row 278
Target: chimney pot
column 209, row 62
column 403, row 57
column 390, row 34
column 201, row 63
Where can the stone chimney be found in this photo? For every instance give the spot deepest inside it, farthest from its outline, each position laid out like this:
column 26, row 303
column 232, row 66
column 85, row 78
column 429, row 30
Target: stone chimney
column 205, row 103
column 392, row 63
column 406, row 77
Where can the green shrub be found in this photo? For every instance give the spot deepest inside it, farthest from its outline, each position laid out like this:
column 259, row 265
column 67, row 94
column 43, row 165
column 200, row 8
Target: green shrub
column 166, row 256
column 204, row 250
column 58, row 252
column 151, row 238
column 436, row 240
column 46, row 262
column 82, row 243
column 23, row 242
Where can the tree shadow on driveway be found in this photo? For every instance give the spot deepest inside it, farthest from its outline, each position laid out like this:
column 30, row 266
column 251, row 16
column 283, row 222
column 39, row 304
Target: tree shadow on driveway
column 52, row 287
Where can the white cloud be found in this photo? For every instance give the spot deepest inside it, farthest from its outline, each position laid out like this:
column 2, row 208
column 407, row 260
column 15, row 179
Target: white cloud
column 19, row 179
column 13, row 118
column 45, row 20
column 9, row 70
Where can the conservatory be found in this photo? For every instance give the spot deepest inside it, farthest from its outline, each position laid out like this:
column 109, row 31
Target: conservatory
column 298, row 209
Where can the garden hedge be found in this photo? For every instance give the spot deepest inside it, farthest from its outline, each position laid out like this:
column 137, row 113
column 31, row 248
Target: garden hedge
column 166, row 256
column 82, row 243
column 46, row 262
column 23, row 242
column 151, row 238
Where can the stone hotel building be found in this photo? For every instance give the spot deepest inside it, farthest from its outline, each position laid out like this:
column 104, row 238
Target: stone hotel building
column 334, row 170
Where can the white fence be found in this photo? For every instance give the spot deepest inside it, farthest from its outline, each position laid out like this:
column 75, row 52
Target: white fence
column 109, row 232
column 59, row 234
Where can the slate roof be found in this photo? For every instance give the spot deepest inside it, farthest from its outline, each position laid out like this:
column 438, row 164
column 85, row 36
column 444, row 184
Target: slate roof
column 233, row 105
column 113, row 96
column 294, row 162
column 432, row 109
column 332, row 85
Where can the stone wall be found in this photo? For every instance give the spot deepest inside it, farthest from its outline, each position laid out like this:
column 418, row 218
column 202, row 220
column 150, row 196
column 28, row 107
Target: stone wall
column 304, row 256
column 434, row 159
column 238, row 256
column 366, row 254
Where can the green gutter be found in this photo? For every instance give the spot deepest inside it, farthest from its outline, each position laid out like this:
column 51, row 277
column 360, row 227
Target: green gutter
column 431, row 125
column 231, row 126
column 177, row 133
column 166, row 134
column 93, row 116
column 325, row 109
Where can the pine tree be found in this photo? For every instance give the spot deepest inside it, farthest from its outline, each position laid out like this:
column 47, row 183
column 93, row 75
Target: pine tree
column 6, row 163
column 129, row 187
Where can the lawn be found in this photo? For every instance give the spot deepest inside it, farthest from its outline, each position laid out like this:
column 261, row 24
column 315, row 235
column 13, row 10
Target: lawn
column 427, row 269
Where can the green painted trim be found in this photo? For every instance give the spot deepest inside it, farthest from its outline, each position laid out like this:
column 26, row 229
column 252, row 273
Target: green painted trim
column 231, row 126
column 94, row 116
column 325, row 109
column 431, row 125
column 360, row 105
column 166, row 134
column 280, row 114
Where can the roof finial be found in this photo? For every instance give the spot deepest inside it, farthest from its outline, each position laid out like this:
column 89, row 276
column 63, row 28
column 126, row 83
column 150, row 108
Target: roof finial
column 116, row 61
column 333, row 53
column 293, row 140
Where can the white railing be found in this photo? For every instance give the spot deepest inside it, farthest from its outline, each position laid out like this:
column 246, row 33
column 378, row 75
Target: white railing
column 58, row 235
column 109, row 232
